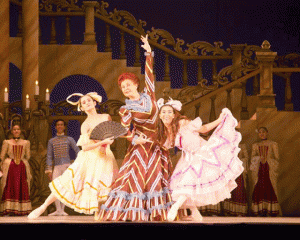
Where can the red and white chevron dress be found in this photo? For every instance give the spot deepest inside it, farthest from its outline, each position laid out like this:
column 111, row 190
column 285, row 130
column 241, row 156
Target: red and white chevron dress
column 140, row 192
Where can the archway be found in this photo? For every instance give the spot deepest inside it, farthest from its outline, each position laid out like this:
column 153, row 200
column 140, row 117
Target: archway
column 74, row 84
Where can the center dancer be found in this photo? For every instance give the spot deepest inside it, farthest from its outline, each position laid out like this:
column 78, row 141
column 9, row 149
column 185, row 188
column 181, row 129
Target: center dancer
column 140, row 192
column 206, row 172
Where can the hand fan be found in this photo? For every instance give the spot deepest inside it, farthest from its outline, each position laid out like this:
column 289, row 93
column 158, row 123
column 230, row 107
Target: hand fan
column 107, row 129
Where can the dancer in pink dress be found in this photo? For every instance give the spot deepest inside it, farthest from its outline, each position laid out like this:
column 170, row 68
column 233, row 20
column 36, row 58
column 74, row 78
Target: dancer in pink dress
column 206, row 172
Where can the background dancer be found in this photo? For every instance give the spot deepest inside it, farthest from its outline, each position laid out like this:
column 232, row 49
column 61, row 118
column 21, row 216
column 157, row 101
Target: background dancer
column 58, row 158
column 15, row 182
column 264, row 171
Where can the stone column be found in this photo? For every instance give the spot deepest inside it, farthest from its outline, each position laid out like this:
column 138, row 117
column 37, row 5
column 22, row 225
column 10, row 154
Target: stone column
column 30, row 49
column 90, row 35
column 4, row 49
column 266, row 59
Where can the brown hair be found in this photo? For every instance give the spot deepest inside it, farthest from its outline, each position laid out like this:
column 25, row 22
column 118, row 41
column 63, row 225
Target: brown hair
column 162, row 131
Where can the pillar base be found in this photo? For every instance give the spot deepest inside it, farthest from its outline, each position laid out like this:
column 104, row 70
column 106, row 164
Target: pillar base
column 89, row 39
column 266, row 101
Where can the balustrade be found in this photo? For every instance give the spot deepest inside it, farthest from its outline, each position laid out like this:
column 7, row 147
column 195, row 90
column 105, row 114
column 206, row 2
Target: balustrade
column 239, row 55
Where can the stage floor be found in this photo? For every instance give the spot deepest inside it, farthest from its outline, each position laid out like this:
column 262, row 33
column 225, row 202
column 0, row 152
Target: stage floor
column 206, row 220
column 84, row 227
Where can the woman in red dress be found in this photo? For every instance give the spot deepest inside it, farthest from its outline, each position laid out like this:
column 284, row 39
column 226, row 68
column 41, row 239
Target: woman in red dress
column 264, row 167
column 140, row 192
column 15, row 183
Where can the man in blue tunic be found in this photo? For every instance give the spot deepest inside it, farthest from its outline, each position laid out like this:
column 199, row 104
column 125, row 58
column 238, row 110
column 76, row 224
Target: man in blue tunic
column 58, row 158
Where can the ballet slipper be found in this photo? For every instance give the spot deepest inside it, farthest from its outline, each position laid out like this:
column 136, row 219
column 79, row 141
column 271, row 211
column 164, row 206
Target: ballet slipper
column 63, row 213
column 96, row 215
column 37, row 212
column 174, row 209
column 172, row 213
column 56, row 213
column 196, row 215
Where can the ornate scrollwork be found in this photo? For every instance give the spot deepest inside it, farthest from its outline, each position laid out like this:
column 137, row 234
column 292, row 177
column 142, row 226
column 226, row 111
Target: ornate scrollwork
column 128, row 21
column 15, row 107
column 250, row 50
column 206, row 48
column 111, row 107
column 63, row 108
column 100, row 9
column 225, row 76
column 236, row 71
column 60, row 5
column 165, row 38
column 161, row 36
column 190, row 93
column 289, row 60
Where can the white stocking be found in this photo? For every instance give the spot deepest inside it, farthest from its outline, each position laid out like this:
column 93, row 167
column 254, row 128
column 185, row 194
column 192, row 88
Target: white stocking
column 38, row 212
column 196, row 214
column 174, row 209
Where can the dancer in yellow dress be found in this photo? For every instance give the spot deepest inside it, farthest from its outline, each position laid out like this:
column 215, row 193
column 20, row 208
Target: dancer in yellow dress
column 86, row 183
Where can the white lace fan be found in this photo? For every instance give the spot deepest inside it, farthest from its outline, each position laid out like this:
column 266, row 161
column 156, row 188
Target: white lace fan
column 107, row 129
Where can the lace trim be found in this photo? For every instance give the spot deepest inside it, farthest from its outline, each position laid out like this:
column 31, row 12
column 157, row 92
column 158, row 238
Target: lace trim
column 135, row 105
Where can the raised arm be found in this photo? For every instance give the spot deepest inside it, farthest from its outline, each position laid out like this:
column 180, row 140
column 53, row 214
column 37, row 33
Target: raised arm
column 209, row 126
column 149, row 76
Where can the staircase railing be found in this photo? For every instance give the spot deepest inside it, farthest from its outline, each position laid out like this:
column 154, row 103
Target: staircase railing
column 210, row 62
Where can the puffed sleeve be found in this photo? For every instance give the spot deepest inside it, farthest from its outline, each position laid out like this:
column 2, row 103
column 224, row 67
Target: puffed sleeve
column 195, row 124
column 126, row 118
column 83, row 139
column 4, row 150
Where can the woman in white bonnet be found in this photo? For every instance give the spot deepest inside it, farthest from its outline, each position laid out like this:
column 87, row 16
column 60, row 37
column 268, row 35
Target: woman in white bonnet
column 86, row 182
column 206, row 172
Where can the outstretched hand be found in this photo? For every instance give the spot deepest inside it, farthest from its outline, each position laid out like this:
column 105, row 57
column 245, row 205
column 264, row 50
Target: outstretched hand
column 222, row 115
column 146, row 44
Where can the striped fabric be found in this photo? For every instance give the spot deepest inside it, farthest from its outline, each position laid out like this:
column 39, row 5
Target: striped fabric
column 140, row 192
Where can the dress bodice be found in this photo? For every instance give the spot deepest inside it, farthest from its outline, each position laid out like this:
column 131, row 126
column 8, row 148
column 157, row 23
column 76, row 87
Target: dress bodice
column 17, row 151
column 267, row 148
column 142, row 114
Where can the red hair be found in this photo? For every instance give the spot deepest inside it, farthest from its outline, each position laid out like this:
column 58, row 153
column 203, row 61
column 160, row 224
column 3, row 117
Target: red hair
column 128, row 76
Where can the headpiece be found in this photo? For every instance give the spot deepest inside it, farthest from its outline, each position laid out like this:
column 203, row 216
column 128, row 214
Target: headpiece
column 173, row 103
column 93, row 95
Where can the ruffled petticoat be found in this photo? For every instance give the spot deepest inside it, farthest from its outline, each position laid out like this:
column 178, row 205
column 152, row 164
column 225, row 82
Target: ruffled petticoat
column 207, row 170
column 87, row 181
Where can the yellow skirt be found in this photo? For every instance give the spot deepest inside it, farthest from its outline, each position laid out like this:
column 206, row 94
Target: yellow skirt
column 86, row 183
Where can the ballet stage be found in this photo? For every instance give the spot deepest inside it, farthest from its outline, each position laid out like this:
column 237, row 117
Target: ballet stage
column 84, row 227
